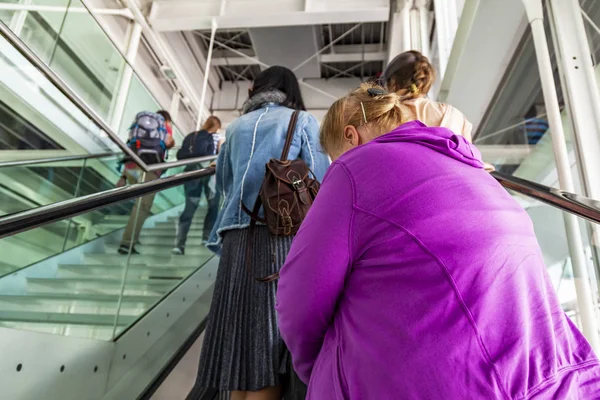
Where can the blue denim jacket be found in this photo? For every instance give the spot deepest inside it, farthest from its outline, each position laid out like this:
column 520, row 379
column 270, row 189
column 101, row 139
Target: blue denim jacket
column 251, row 141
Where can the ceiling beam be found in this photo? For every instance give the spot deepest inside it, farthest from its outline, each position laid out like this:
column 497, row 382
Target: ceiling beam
column 353, row 57
column 193, row 15
column 324, row 58
column 228, row 61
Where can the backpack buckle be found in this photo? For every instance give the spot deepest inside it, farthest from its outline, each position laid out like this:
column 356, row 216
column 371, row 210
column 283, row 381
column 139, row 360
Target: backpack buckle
column 298, row 184
column 286, row 222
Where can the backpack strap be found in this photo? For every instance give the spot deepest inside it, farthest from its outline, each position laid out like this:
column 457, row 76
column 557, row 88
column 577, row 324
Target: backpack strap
column 250, row 242
column 290, row 135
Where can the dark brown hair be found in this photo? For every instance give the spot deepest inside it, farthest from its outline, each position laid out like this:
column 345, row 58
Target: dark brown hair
column 165, row 114
column 211, row 123
column 410, row 75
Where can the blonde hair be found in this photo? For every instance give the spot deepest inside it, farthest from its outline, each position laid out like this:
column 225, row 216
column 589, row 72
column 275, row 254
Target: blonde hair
column 410, row 75
column 379, row 110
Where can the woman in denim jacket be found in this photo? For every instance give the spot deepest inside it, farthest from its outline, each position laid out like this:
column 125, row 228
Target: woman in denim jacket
column 243, row 350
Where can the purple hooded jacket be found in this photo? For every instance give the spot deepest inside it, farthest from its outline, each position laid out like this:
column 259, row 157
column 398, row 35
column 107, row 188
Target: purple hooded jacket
column 417, row 276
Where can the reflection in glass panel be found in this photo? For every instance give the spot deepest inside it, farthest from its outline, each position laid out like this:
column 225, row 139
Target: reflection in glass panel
column 68, row 278
column 17, row 133
column 38, row 29
column 29, row 186
column 514, row 133
column 87, row 60
column 37, row 115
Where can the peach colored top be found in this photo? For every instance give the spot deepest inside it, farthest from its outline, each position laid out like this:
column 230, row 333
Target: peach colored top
column 432, row 113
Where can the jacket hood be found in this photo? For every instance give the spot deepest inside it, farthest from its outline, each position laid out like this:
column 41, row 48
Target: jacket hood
column 442, row 140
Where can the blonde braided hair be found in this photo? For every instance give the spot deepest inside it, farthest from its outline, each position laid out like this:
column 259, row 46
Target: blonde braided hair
column 381, row 112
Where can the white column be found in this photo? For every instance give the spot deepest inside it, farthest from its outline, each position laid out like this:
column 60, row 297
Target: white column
column 174, row 108
column 446, row 24
column 399, row 31
column 409, row 28
column 424, row 28
column 582, row 97
column 206, row 74
column 585, row 302
column 125, row 82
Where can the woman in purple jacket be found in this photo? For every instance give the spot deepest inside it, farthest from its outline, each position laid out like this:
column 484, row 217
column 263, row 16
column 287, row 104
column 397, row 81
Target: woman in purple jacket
column 417, row 276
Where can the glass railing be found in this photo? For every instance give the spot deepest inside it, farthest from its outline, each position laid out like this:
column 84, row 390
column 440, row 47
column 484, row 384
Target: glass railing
column 72, row 277
column 46, row 116
column 38, row 117
column 68, row 39
column 547, row 208
column 27, row 185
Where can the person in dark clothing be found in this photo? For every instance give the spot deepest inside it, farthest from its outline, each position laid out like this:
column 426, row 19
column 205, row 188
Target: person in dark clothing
column 198, row 144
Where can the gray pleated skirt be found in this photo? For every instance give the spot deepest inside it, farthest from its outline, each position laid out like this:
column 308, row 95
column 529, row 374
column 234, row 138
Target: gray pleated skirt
column 242, row 348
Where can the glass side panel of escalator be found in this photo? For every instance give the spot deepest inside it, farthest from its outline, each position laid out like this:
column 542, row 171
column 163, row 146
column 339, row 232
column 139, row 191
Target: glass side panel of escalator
column 61, row 38
column 68, row 277
column 24, row 187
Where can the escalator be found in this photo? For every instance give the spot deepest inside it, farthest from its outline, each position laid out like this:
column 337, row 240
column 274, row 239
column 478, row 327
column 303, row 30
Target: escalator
column 49, row 288
column 78, row 320
column 126, row 314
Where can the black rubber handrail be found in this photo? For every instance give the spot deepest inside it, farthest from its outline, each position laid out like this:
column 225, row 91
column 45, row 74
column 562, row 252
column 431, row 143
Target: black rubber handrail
column 36, row 217
column 572, row 203
column 25, row 220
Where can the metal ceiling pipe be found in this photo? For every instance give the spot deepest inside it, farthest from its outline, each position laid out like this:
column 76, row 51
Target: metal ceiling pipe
column 213, row 32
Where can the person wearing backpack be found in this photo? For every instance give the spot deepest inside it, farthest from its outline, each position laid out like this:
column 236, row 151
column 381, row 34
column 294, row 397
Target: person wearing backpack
column 243, row 352
column 150, row 136
column 198, row 144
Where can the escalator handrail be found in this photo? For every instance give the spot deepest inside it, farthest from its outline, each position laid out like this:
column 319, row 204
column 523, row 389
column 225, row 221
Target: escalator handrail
column 180, row 163
column 24, row 163
column 153, row 167
column 29, row 219
column 581, row 206
column 45, row 70
column 33, row 218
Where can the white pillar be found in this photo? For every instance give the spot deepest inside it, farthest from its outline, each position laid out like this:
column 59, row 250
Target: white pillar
column 399, row 30
column 409, row 28
column 582, row 97
column 125, row 82
column 585, row 302
column 446, row 24
column 206, row 74
column 174, row 108
column 424, row 28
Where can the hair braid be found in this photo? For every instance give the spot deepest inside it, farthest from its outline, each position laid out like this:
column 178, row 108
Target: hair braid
column 410, row 75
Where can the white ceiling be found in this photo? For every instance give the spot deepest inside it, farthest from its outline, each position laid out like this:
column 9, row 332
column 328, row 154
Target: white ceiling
column 318, row 39
column 170, row 15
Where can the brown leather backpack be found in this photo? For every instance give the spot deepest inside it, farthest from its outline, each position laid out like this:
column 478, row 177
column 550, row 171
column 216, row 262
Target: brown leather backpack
column 287, row 192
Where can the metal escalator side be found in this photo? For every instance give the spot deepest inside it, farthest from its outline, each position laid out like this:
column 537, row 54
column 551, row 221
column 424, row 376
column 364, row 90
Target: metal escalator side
column 112, row 321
